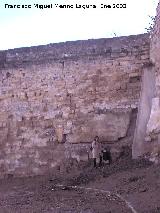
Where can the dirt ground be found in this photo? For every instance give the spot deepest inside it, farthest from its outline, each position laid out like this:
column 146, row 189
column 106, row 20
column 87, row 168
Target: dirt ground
column 126, row 186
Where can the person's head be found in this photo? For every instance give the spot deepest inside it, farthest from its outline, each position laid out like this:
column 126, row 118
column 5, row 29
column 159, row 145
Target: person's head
column 96, row 138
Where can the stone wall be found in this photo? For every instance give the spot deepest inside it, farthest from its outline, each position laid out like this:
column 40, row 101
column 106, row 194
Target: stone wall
column 147, row 140
column 155, row 46
column 67, row 93
column 144, row 110
column 153, row 126
column 155, row 49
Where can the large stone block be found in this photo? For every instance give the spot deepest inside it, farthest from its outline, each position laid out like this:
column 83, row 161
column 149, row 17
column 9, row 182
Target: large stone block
column 109, row 127
column 153, row 126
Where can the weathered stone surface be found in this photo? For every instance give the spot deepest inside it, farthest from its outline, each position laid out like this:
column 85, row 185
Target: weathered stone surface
column 144, row 109
column 109, row 126
column 115, row 153
column 155, row 44
column 153, row 126
column 146, row 139
column 66, row 92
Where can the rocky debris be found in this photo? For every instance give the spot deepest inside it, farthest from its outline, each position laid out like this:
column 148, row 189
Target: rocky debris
column 153, row 126
column 116, row 153
column 134, row 179
column 53, row 193
column 73, row 172
column 143, row 190
column 154, row 157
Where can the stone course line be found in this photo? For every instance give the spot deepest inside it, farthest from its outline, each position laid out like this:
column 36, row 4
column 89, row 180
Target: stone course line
column 128, row 204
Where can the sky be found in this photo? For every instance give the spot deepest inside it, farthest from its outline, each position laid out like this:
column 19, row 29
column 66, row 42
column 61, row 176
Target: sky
column 22, row 27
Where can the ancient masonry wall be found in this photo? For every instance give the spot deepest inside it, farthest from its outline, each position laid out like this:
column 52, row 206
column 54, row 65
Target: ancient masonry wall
column 67, row 92
column 155, row 49
column 153, row 126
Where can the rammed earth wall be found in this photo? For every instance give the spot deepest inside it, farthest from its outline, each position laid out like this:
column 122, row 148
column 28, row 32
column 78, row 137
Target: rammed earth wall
column 66, row 92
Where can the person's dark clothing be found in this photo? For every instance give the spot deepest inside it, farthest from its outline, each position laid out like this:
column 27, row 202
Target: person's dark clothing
column 106, row 156
column 100, row 160
column 94, row 161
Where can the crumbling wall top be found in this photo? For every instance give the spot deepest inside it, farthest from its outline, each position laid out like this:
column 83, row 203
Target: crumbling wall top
column 72, row 50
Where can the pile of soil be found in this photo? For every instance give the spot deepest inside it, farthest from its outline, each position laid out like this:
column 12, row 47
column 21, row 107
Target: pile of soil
column 137, row 181
column 75, row 173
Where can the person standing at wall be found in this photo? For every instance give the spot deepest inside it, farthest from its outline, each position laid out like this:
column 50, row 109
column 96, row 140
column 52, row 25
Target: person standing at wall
column 96, row 151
